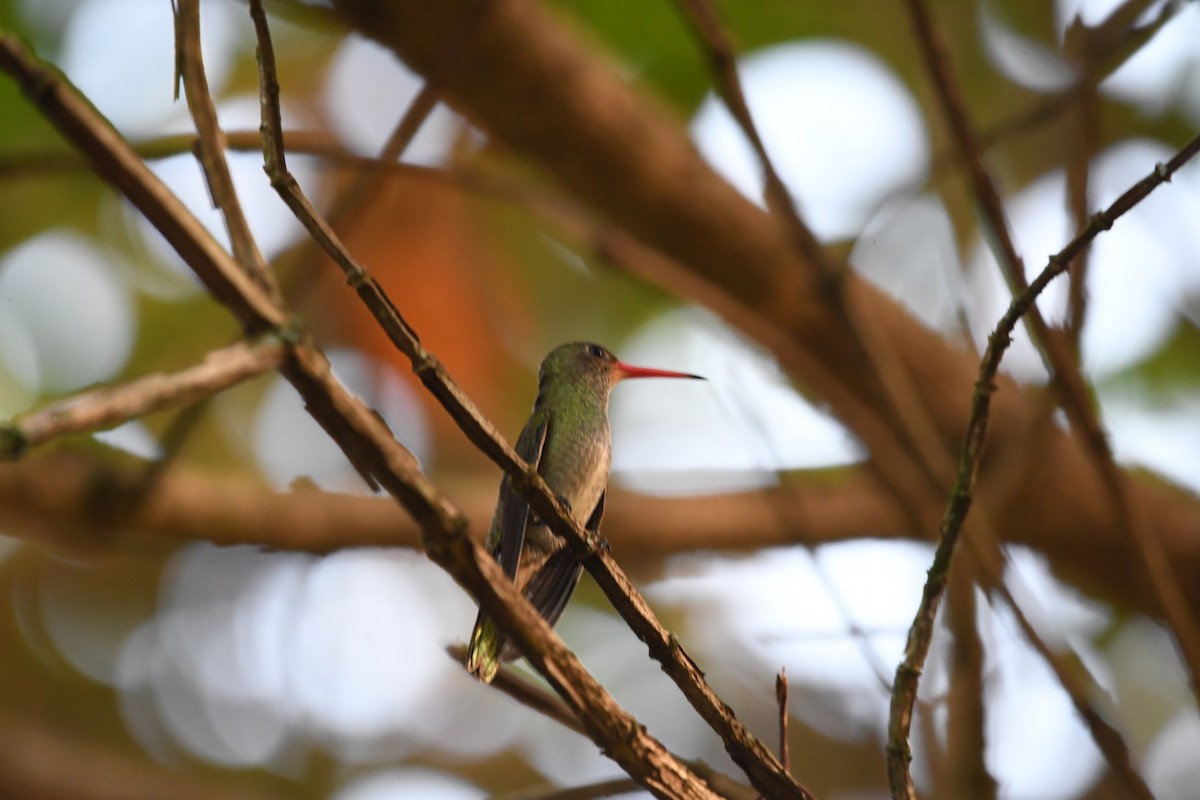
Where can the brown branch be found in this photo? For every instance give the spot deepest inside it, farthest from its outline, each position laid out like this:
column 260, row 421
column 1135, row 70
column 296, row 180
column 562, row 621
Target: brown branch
column 920, row 634
column 365, row 186
column 781, row 699
column 526, row 693
column 623, row 739
column 534, row 697
column 720, row 50
column 51, row 498
column 748, row 752
column 102, row 409
column 1078, row 182
column 42, row 162
column 210, row 146
column 911, row 416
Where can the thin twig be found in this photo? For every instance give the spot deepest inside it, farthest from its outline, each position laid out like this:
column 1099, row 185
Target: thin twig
column 720, row 50
column 989, row 560
column 781, row 699
column 102, row 409
column 1078, row 183
column 364, row 188
column 1066, row 377
column 527, row 694
column 748, row 752
column 912, row 419
column 920, row 635
column 210, row 147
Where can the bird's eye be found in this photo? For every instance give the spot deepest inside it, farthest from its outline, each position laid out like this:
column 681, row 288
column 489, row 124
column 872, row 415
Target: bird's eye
column 595, row 350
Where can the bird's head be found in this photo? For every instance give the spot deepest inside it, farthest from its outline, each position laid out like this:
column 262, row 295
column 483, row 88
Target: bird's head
column 588, row 363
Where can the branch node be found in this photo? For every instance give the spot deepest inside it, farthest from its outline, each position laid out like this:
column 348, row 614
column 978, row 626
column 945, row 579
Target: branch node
column 425, row 365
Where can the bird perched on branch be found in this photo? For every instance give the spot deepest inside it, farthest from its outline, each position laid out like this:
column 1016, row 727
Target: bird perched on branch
column 567, row 439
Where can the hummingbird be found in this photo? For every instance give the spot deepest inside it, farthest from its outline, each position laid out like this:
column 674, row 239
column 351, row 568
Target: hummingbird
column 567, row 439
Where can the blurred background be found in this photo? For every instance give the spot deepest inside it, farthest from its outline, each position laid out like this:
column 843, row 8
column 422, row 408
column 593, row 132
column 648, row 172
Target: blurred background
column 189, row 669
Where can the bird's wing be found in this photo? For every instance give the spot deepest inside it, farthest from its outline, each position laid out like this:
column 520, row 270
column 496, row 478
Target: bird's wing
column 593, row 523
column 552, row 586
column 514, row 512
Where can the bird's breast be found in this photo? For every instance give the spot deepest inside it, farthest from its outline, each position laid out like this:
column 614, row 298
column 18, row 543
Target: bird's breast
column 576, row 465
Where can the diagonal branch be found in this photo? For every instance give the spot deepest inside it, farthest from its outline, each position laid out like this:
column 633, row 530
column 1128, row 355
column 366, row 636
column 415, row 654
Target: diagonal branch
column 1078, row 683
column 1064, row 371
column 534, row 697
column 911, row 416
column 703, row 18
column 210, row 146
column 908, row 673
column 102, row 409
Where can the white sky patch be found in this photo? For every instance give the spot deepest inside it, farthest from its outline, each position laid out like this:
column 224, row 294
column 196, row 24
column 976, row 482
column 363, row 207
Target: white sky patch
column 1160, row 434
column 66, row 318
column 368, row 93
column 290, row 444
column 1138, row 273
column 121, row 55
column 391, row 784
column 732, row 431
column 843, row 132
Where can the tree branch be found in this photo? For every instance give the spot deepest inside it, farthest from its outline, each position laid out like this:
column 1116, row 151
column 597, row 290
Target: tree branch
column 904, row 688
column 210, row 146
column 102, row 409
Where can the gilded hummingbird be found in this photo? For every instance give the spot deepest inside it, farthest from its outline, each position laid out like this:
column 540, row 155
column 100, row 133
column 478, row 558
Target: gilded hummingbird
column 567, row 439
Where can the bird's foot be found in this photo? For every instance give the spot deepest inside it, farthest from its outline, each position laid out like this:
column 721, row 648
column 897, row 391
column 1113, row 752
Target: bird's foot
column 598, row 544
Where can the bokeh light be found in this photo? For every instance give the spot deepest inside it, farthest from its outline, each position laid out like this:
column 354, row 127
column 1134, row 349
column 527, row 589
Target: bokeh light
column 68, row 321
column 842, row 131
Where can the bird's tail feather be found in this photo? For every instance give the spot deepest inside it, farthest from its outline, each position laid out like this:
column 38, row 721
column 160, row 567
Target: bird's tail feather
column 483, row 653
